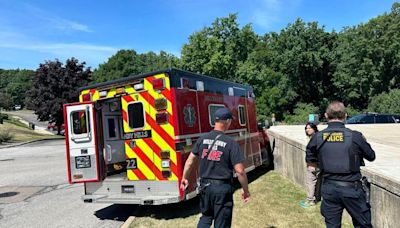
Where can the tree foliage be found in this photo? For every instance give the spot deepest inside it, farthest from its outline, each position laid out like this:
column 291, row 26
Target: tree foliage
column 368, row 59
column 386, row 102
column 5, row 101
column 56, row 84
column 15, row 83
column 126, row 62
column 218, row 50
column 301, row 112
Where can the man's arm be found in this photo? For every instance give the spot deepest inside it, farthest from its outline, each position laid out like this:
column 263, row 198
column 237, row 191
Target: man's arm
column 186, row 170
column 311, row 151
column 242, row 177
column 367, row 151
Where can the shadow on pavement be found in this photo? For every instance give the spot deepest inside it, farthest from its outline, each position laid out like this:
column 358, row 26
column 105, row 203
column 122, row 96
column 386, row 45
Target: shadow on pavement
column 121, row 212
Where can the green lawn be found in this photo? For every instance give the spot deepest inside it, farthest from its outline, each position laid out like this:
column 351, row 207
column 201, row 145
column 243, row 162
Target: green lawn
column 274, row 203
column 23, row 134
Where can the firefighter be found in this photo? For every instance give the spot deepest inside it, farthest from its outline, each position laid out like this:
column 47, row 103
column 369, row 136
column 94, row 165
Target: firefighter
column 340, row 153
column 219, row 155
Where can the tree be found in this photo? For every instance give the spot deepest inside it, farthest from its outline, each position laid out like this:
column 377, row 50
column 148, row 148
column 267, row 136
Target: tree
column 16, row 83
column 127, row 62
column 386, row 102
column 5, row 101
column 217, row 50
column 303, row 52
column 54, row 85
column 301, row 113
column 368, row 59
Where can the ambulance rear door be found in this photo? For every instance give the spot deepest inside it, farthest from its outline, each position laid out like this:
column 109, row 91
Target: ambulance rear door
column 82, row 151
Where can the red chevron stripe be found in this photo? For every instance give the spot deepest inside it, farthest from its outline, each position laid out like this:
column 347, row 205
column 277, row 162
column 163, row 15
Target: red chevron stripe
column 148, row 162
column 163, row 134
column 139, row 174
column 157, row 151
column 128, row 98
column 124, row 115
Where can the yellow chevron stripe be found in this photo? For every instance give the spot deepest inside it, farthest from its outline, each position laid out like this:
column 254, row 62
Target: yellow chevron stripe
column 164, row 146
column 140, row 164
column 156, row 95
column 95, row 96
column 111, row 93
column 131, row 175
column 149, row 153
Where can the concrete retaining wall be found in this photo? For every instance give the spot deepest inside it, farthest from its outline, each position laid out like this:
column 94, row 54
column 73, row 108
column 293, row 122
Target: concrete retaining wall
column 289, row 159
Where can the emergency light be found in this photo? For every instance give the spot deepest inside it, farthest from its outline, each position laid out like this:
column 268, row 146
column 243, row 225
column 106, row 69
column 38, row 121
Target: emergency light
column 138, row 86
column 162, row 118
column 160, row 104
column 87, row 97
column 166, row 173
column 158, row 84
column 103, row 93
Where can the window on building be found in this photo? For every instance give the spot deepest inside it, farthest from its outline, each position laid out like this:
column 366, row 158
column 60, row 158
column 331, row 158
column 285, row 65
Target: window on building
column 136, row 115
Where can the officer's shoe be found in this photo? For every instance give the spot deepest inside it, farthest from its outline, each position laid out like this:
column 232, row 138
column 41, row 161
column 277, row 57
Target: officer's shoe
column 307, row 203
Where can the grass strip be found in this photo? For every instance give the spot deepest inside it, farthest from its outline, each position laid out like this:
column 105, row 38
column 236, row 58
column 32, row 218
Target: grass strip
column 274, row 203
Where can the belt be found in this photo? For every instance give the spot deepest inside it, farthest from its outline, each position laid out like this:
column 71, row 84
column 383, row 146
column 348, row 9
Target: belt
column 214, row 181
column 344, row 183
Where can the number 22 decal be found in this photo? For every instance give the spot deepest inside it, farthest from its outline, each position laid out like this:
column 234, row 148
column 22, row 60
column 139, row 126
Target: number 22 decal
column 131, row 163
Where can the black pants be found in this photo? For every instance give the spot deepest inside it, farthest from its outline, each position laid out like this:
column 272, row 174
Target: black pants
column 335, row 198
column 216, row 203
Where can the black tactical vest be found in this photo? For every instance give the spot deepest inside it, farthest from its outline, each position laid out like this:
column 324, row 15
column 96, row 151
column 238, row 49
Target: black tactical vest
column 335, row 152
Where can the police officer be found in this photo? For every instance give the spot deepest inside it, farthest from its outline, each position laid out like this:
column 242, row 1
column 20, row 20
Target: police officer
column 340, row 153
column 219, row 155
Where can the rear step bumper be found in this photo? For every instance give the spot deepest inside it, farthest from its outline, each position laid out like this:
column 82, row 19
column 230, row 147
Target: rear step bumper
column 116, row 189
column 154, row 200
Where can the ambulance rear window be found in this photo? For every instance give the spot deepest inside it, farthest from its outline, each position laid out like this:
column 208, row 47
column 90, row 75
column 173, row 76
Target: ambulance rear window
column 79, row 122
column 136, row 115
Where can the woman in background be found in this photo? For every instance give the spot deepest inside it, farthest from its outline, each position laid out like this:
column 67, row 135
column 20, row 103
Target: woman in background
column 313, row 179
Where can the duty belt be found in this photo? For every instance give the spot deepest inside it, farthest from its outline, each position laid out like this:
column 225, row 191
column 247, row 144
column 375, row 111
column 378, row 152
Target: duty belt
column 344, row 183
column 214, row 181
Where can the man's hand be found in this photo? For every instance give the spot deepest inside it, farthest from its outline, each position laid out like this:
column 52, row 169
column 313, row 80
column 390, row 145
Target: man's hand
column 245, row 196
column 184, row 184
column 312, row 167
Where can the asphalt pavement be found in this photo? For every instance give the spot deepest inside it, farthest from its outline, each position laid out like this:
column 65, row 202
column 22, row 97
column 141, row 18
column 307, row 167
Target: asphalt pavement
column 34, row 191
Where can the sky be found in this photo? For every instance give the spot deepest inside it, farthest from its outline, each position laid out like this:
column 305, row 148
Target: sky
column 32, row 32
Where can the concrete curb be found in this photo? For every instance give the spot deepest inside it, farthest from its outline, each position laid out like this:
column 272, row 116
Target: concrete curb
column 128, row 222
column 23, row 143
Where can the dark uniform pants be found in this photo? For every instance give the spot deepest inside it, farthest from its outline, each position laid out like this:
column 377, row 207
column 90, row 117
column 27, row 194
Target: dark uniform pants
column 216, row 203
column 335, row 198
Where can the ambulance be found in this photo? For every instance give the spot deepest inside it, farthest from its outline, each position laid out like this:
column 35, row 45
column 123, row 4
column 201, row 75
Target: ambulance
column 127, row 140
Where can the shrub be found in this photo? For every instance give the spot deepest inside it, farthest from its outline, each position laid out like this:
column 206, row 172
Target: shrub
column 4, row 116
column 300, row 113
column 5, row 135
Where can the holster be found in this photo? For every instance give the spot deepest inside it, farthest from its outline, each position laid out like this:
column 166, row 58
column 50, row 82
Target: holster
column 366, row 186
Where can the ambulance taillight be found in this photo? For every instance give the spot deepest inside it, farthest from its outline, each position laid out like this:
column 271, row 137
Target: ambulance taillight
column 162, row 118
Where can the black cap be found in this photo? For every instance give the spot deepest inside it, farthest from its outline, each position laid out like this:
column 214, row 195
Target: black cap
column 223, row 114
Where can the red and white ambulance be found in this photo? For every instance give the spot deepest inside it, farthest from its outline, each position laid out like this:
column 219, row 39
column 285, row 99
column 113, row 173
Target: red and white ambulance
column 127, row 140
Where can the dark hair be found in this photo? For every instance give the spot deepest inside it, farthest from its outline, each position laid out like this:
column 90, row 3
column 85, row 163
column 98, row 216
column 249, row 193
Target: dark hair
column 336, row 110
column 312, row 125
